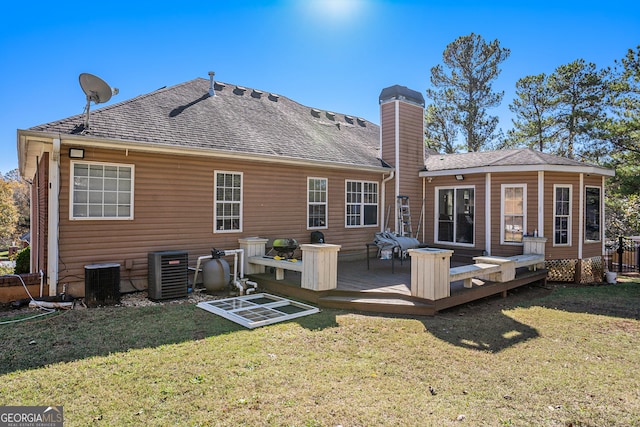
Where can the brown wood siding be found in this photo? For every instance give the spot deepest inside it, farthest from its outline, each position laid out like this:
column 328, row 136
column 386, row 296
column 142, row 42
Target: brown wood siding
column 41, row 218
column 173, row 210
column 551, row 179
column 410, row 154
column 411, row 157
column 530, row 179
column 388, row 132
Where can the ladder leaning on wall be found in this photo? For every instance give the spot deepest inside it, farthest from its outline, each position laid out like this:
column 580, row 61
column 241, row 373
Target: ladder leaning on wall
column 404, row 217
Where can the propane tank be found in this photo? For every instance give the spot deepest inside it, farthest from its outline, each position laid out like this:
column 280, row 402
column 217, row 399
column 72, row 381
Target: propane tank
column 215, row 272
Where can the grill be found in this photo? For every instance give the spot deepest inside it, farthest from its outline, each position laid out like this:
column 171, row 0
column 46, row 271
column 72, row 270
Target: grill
column 285, row 247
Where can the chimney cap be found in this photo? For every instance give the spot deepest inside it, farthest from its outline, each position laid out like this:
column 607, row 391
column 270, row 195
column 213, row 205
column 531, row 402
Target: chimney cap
column 403, row 93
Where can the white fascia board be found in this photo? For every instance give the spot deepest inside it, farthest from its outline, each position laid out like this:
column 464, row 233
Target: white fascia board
column 586, row 169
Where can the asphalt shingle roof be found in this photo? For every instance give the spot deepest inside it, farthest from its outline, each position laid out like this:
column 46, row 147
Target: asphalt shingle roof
column 479, row 159
column 240, row 120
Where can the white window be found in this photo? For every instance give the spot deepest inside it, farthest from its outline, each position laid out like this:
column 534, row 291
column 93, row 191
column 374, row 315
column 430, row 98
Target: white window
column 562, row 215
column 514, row 213
column 455, row 215
column 316, row 203
column 592, row 224
column 101, row 191
column 227, row 215
column 361, row 203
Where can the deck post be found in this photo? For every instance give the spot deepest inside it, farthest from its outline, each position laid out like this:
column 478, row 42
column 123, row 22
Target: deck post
column 253, row 246
column 430, row 273
column 319, row 266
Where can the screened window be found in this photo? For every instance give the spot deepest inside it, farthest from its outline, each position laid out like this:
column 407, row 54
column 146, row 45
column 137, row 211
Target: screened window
column 317, row 203
column 101, row 191
column 455, row 215
column 592, row 214
column 561, row 215
column 228, row 202
column 361, row 203
column 514, row 219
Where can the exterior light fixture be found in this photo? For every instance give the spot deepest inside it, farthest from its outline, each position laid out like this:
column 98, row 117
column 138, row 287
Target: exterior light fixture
column 76, row 153
column 459, row 177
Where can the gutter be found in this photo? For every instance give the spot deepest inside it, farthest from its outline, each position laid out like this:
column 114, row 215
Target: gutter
column 152, row 147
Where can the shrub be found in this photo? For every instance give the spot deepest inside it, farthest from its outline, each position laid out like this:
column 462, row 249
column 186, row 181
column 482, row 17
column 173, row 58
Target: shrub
column 23, row 261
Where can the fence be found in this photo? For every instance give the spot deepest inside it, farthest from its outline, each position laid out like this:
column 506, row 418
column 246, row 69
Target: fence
column 623, row 255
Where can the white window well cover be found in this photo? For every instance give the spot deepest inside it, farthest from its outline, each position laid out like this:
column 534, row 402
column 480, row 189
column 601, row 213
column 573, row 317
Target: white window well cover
column 252, row 311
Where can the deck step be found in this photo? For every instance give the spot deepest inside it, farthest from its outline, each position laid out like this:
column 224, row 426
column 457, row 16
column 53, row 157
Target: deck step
column 379, row 303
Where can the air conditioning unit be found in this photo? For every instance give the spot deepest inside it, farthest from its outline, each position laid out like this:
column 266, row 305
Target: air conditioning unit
column 168, row 274
column 101, row 284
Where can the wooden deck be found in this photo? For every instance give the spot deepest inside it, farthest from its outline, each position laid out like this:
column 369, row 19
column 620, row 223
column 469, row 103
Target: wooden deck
column 377, row 289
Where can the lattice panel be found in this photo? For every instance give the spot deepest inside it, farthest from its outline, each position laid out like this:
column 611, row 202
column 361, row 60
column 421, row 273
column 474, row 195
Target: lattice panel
column 592, row 270
column 561, row 270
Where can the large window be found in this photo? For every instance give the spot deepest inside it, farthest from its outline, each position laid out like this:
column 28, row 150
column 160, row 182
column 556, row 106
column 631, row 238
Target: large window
column 228, row 202
column 101, row 191
column 562, row 215
column 514, row 217
column 361, row 203
column 317, row 203
column 592, row 214
column 455, row 215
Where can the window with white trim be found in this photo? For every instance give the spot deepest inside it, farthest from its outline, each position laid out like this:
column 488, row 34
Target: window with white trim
column 455, row 215
column 361, row 203
column 562, row 215
column 316, row 203
column 592, row 223
column 514, row 212
column 101, row 191
column 227, row 215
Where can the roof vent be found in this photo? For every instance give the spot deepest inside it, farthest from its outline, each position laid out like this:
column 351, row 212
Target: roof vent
column 256, row 93
column 348, row 119
column 315, row 113
column 239, row 90
column 330, row 115
column 212, row 92
column 361, row 122
column 273, row 97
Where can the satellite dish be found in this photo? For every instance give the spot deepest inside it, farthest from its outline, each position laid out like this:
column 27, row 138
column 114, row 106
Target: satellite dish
column 97, row 90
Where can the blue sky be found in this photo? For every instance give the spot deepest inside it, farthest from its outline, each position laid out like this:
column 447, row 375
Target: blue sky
column 330, row 54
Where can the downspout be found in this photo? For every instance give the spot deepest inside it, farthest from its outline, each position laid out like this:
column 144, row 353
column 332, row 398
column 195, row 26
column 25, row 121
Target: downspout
column 383, row 197
column 397, row 164
column 487, row 214
column 602, row 218
column 540, row 203
column 581, row 217
column 54, row 216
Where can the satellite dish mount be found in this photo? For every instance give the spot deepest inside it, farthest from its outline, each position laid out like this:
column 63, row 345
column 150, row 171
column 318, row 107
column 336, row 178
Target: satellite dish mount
column 97, row 90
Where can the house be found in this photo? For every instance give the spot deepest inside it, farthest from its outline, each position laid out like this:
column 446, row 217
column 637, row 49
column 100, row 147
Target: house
column 204, row 163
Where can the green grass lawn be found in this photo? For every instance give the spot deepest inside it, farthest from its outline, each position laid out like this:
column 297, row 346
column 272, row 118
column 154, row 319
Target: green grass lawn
column 566, row 357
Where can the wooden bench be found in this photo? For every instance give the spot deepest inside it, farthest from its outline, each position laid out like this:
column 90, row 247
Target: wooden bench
column 526, row 260
column 468, row 272
column 279, row 264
